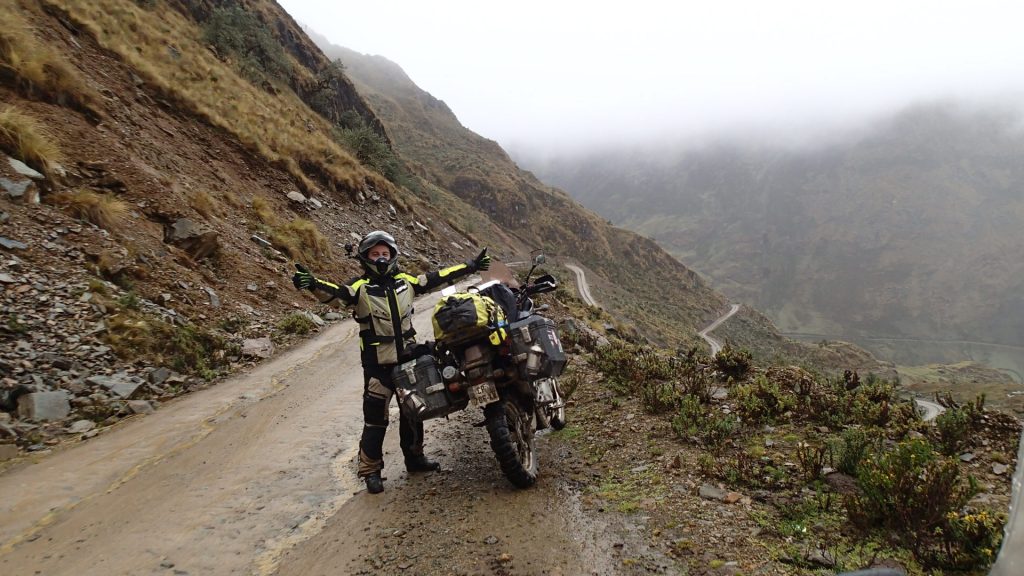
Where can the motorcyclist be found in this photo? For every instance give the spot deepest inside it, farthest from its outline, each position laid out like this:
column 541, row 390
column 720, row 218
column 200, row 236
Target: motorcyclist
column 383, row 297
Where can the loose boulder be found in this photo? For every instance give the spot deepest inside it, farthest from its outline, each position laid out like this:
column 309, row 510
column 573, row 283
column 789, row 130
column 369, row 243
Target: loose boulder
column 258, row 348
column 195, row 240
column 44, row 406
column 121, row 387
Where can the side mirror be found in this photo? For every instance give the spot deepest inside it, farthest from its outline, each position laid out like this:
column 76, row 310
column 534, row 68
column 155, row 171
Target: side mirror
column 539, row 259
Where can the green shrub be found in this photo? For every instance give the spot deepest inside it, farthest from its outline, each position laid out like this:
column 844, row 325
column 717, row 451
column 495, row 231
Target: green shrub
column 193, row 349
column 132, row 334
column 733, row 363
column 910, row 491
column 812, row 458
column 763, row 400
column 14, row 326
column 696, row 381
column 741, row 469
column 296, row 323
column 845, row 402
column 693, row 422
column 849, row 451
column 956, row 425
column 954, row 428
column 240, row 34
column 370, row 148
column 718, row 428
column 129, row 300
column 971, row 539
column 626, row 366
column 688, row 418
column 658, row 397
column 232, row 324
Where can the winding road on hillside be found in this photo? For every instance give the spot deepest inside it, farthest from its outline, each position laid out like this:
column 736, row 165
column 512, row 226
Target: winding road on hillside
column 716, row 346
column 256, row 476
column 581, row 284
column 929, row 410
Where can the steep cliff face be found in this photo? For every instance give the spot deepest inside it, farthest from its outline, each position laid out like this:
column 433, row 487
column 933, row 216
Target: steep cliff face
column 909, row 230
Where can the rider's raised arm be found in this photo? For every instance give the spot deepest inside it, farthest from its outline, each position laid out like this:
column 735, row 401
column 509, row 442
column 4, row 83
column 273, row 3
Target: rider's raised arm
column 433, row 280
column 338, row 295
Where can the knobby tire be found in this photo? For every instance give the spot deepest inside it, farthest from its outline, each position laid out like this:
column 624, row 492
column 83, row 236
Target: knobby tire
column 505, row 448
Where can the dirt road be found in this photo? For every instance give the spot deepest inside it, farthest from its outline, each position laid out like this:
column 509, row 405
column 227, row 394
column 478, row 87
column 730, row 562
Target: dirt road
column 581, row 283
column 716, row 346
column 256, row 475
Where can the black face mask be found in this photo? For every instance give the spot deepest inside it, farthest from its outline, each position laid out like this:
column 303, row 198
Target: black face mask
column 382, row 265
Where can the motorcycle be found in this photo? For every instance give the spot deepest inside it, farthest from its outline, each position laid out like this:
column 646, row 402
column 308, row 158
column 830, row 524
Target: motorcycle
column 494, row 351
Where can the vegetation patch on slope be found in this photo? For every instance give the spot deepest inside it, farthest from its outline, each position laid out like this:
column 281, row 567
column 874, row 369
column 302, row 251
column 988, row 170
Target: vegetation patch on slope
column 783, row 470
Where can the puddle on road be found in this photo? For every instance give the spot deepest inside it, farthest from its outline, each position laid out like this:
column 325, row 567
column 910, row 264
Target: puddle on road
column 341, row 473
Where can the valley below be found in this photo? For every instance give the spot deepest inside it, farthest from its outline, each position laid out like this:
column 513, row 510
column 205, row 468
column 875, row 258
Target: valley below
column 962, row 368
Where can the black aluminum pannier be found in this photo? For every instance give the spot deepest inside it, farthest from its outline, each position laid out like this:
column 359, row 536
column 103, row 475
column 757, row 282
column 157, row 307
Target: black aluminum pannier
column 536, row 348
column 421, row 391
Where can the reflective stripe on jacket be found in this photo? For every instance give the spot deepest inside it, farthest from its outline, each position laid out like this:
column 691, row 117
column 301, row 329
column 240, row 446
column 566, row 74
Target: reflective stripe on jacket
column 384, row 308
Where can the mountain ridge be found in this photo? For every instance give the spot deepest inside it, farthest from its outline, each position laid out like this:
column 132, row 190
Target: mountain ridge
column 837, row 240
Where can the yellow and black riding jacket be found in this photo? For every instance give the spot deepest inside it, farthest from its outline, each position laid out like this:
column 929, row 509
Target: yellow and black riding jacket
column 383, row 308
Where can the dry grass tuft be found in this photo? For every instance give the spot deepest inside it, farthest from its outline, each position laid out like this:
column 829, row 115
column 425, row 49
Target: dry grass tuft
column 35, row 70
column 24, row 138
column 280, row 127
column 309, row 237
column 132, row 335
column 102, row 210
column 264, row 211
column 299, row 239
column 203, row 203
column 232, row 199
column 302, row 240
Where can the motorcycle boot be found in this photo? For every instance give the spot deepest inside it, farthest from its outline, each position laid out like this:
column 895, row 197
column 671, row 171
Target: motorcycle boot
column 421, row 463
column 374, row 483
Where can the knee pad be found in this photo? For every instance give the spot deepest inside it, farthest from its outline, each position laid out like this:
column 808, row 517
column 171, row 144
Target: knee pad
column 375, row 411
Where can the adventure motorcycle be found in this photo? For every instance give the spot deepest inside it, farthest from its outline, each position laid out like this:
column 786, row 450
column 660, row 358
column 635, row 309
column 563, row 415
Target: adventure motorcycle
column 493, row 350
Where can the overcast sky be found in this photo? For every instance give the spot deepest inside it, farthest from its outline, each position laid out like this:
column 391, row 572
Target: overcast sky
column 554, row 75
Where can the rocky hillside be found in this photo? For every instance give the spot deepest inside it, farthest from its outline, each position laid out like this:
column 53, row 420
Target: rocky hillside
column 154, row 194
column 909, row 229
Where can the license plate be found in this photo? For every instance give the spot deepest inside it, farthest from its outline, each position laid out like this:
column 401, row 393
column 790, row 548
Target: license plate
column 483, row 394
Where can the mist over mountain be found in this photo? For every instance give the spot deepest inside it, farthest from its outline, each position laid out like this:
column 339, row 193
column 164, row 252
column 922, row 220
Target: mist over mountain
column 906, row 228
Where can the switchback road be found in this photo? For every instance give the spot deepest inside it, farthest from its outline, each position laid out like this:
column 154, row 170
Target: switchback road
column 581, row 283
column 716, row 346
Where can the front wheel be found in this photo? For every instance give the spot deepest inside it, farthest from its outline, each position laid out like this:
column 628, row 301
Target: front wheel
column 511, row 431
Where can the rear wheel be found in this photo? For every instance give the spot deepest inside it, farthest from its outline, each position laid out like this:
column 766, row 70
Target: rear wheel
column 511, row 432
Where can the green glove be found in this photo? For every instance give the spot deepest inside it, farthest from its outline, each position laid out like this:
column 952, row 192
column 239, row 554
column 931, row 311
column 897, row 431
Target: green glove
column 303, row 279
column 482, row 261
